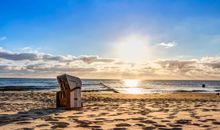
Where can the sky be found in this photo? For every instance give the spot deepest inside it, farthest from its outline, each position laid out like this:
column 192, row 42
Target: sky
column 147, row 39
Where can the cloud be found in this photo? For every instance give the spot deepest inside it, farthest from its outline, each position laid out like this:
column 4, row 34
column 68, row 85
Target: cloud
column 177, row 64
column 179, row 67
column 213, row 62
column 18, row 56
column 58, row 68
column 214, row 65
column 3, row 38
column 48, row 57
column 91, row 59
column 35, row 56
column 3, row 67
column 167, row 45
column 89, row 66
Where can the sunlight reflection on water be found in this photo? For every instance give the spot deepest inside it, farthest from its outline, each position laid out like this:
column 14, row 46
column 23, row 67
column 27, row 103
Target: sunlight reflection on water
column 132, row 86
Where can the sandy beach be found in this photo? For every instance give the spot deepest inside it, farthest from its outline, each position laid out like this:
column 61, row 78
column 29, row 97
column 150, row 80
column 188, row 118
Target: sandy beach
column 176, row 111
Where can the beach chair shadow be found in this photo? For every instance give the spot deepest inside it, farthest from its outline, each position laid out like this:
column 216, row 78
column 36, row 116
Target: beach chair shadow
column 25, row 117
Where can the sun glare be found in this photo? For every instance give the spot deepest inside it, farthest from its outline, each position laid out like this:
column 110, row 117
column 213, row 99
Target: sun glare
column 131, row 83
column 132, row 49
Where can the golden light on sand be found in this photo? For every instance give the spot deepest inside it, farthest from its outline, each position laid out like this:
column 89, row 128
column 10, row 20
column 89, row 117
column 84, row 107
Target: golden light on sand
column 131, row 83
column 133, row 48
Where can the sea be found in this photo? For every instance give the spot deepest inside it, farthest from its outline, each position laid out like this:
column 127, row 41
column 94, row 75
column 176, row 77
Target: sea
column 122, row 86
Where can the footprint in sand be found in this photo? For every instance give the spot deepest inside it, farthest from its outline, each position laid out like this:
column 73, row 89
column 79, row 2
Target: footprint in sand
column 91, row 115
column 157, row 118
column 149, row 128
column 165, row 120
column 23, row 122
column 123, row 125
column 138, row 118
column 205, row 126
column 103, row 113
column 176, row 128
column 210, row 119
column 78, row 113
column 42, row 125
column 113, row 115
column 171, row 117
column 84, row 125
column 119, row 119
column 49, row 118
column 98, row 122
column 119, row 128
column 196, row 124
column 175, row 125
column 216, row 110
column 202, row 120
column 59, row 125
column 159, row 125
column 96, row 127
column 26, row 129
column 139, row 124
column 100, row 119
column 197, row 117
column 205, row 110
column 148, row 122
column 59, row 117
column 74, row 117
column 183, row 121
column 216, row 123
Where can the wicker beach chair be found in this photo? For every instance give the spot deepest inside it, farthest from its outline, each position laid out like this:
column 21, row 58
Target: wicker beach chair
column 69, row 96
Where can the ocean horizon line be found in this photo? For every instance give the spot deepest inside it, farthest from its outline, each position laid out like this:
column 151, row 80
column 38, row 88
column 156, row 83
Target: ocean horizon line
column 116, row 79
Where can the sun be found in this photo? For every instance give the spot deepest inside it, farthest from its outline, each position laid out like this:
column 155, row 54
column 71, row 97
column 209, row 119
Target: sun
column 133, row 48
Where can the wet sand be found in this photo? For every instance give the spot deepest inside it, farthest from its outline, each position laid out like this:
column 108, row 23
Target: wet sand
column 36, row 111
